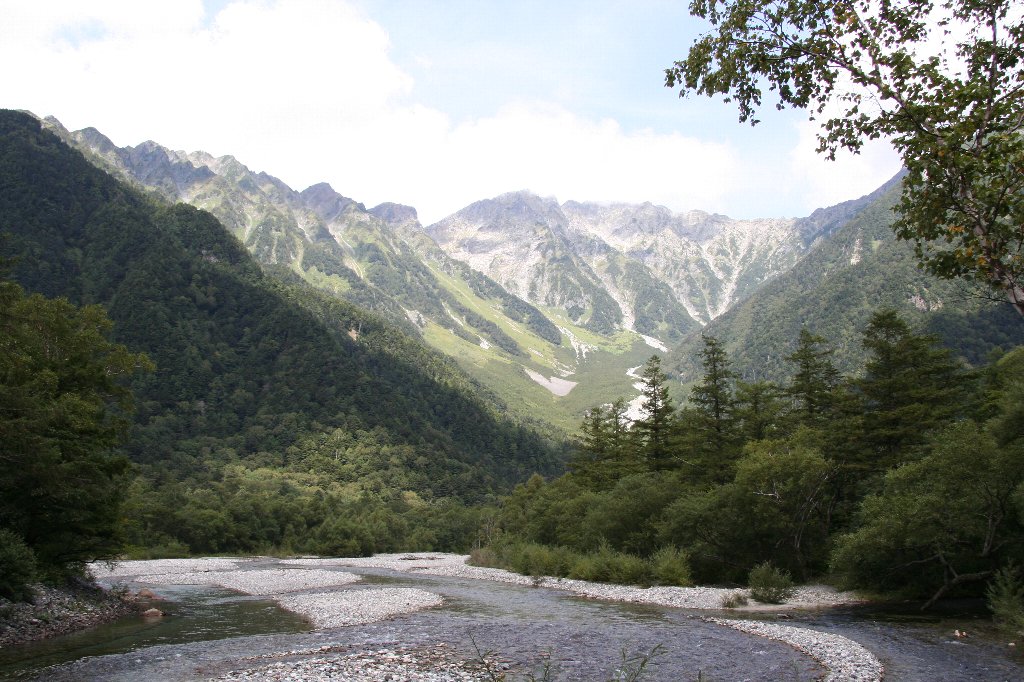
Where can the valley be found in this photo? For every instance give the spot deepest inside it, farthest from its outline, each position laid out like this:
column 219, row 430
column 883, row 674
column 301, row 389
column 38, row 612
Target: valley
column 549, row 304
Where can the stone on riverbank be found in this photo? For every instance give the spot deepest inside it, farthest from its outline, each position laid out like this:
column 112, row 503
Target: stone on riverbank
column 433, row 664
column 57, row 611
column 352, row 607
column 257, row 582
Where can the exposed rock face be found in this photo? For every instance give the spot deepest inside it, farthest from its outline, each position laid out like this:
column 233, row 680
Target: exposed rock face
column 521, row 241
column 642, row 266
column 395, row 214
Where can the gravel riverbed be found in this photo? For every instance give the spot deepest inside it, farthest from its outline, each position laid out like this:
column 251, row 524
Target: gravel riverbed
column 422, row 664
column 331, row 598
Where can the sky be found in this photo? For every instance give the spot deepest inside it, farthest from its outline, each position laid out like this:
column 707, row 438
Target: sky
column 431, row 103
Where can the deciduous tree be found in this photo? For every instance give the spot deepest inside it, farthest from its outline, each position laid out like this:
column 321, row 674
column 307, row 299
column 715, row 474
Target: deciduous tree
column 942, row 80
column 63, row 404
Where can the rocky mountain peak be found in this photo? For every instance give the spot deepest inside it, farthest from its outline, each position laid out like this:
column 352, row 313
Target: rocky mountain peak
column 94, row 138
column 395, row 214
column 325, row 202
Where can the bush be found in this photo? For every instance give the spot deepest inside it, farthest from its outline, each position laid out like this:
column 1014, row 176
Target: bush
column 734, row 600
column 17, row 567
column 485, row 557
column 668, row 566
column 629, row 569
column 770, row 585
column 1006, row 598
column 671, row 567
column 164, row 547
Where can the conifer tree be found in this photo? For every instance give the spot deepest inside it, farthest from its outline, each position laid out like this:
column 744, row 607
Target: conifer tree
column 814, row 382
column 910, row 388
column 713, row 418
column 607, row 450
column 653, row 430
column 757, row 410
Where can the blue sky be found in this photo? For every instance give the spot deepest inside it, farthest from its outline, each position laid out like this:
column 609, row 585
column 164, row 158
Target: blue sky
column 426, row 102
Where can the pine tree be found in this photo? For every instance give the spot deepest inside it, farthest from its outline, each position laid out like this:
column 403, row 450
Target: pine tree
column 757, row 410
column 607, row 450
column 910, row 388
column 813, row 386
column 653, row 430
column 713, row 404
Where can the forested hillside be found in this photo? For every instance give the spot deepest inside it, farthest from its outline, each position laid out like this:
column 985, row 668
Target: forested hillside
column 275, row 417
column 834, row 290
column 907, row 478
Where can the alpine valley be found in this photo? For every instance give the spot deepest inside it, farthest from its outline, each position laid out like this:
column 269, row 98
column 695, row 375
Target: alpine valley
column 553, row 305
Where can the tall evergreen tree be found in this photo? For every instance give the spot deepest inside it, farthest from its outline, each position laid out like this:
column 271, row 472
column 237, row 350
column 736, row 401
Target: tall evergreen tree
column 713, row 419
column 757, row 410
column 910, row 388
column 653, row 430
column 607, row 450
column 814, row 382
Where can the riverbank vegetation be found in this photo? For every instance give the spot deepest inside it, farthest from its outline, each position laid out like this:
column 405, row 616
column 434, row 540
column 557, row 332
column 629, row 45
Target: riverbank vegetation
column 273, row 420
column 906, row 479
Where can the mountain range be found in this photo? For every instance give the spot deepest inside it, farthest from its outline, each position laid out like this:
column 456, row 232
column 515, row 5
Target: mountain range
column 552, row 304
column 254, row 367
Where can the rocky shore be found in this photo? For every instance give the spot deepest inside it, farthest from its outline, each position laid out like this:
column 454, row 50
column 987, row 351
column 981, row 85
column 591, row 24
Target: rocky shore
column 436, row 563
column 845, row 659
column 330, row 597
column 421, row 664
column 56, row 611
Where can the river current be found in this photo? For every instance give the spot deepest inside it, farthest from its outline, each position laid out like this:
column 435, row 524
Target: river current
column 210, row 631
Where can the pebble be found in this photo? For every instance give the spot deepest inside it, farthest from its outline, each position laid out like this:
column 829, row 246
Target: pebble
column 845, row 659
column 435, row 664
column 257, row 582
column 352, row 607
column 161, row 566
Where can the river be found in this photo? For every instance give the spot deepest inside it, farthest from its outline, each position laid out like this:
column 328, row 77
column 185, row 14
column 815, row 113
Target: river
column 211, row 631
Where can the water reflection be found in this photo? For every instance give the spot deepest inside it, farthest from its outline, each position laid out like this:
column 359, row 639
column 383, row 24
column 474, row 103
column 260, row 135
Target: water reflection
column 194, row 613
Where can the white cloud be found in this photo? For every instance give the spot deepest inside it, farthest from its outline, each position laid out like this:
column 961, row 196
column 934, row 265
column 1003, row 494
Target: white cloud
column 307, row 90
column 817, row 182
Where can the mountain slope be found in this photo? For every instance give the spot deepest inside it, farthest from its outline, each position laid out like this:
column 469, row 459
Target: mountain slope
column 380, row 259
column 247, row 365
column 857, row 269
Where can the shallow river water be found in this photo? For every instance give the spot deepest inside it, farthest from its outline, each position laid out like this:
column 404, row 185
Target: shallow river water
column 212, row 631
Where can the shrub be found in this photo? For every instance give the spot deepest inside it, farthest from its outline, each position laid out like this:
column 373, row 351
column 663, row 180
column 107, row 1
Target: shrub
column 734, row 600
column 629, row 569
column 484, row 556
column 17, row 567
column 1006, row 597
column 586, row 568
column 671, row 567
column 770, row 585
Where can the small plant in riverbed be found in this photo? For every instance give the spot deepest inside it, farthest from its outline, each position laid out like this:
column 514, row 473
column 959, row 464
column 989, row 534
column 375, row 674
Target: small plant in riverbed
column 632, row 667
column 769, row 584
column 734, row 600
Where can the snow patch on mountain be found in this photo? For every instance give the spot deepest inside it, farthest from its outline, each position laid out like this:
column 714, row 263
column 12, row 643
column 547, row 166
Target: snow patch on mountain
column 581, row 348
column 557, row 385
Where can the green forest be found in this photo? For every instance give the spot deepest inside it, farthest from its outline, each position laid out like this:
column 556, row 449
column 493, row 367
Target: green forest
column 265, row 416
column 906, row 479
column 163, row 395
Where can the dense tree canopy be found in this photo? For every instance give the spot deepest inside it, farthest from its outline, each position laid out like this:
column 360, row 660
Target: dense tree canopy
column 943, row 80
column 906, row 477
column 63, row 412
